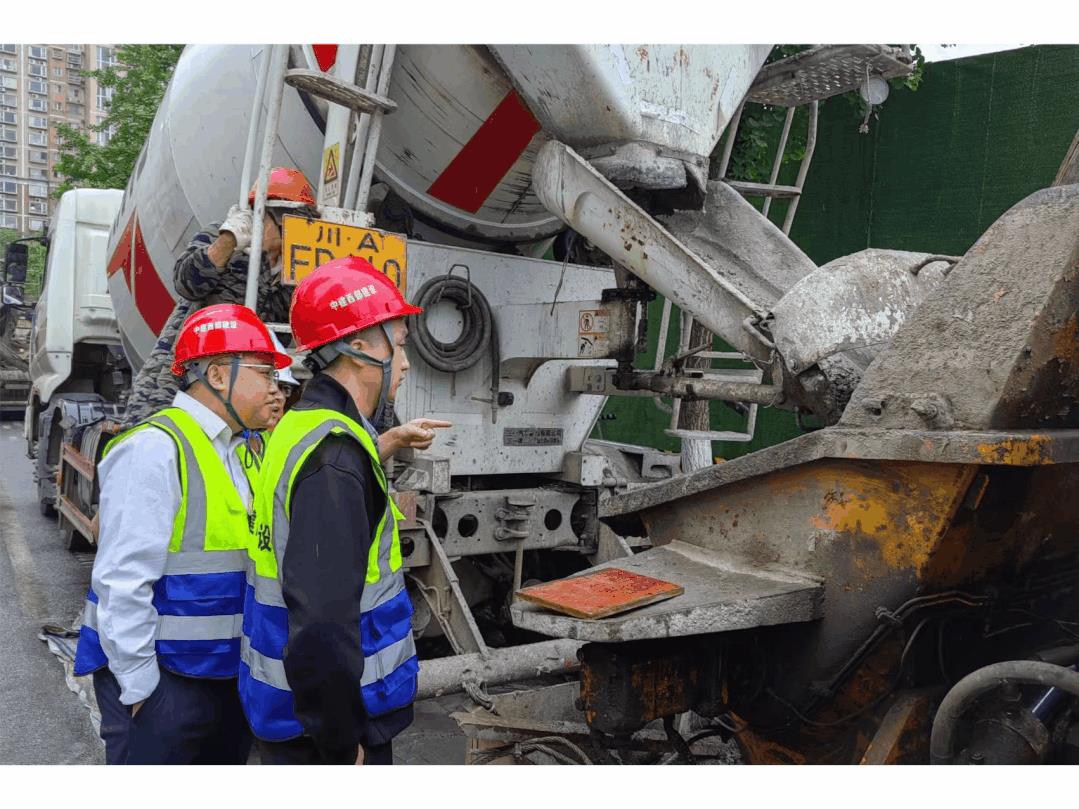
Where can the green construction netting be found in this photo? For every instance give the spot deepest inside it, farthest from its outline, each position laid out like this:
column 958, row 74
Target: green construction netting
column 938, row 166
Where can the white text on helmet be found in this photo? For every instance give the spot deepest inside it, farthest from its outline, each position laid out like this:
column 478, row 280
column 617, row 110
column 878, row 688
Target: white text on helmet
column 217, row 324
column 353, row 296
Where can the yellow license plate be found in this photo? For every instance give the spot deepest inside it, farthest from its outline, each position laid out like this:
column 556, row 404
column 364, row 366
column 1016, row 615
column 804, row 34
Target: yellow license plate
column 307, row 245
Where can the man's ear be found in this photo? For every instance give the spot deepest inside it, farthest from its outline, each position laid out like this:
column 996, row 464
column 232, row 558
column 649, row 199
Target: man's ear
column 217, row 376
column 361, row 341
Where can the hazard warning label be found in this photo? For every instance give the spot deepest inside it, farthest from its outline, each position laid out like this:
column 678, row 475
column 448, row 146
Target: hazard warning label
column 593, row 332
column 331, row 163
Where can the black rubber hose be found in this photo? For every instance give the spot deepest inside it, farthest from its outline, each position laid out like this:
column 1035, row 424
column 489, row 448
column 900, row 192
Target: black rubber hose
column 476, row 335
column 976, row 684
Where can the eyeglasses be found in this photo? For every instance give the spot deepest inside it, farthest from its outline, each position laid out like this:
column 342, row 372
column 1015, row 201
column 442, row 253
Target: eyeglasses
column 267, row 372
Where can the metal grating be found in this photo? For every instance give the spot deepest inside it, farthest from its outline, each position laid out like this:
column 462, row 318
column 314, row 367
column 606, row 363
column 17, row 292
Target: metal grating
column 825, row 71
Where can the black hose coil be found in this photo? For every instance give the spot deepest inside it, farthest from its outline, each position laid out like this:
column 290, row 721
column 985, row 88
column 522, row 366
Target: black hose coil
column 477, row 334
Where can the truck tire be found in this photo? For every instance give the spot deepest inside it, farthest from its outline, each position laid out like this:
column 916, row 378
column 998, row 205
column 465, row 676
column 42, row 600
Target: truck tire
column 73, row 540
column 45, row 501
column 46, row 494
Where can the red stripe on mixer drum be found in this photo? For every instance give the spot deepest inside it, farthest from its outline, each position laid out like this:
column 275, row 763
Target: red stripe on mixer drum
column 152, row 297
column 491, row 152
column 121, row 256
column 325, row 55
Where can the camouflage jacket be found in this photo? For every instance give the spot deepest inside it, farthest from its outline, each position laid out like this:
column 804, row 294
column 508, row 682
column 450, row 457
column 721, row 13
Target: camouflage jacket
column 200, row 283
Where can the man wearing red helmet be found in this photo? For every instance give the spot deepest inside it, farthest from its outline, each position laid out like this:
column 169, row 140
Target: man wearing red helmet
column 328, row 671
column 213, row 269
column 161, row 628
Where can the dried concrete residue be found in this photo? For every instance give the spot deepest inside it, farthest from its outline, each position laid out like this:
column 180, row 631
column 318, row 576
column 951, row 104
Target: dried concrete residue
column 982, row 341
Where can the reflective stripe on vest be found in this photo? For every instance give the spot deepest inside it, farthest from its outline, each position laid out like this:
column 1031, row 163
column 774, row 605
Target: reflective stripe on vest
column 391, row 667
column 199, row 598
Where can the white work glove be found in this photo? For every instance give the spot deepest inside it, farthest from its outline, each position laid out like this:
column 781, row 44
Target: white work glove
column 238, row 223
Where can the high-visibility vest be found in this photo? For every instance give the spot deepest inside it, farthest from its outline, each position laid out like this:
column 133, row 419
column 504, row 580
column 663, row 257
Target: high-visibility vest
column 199, row 598
column 391, row 668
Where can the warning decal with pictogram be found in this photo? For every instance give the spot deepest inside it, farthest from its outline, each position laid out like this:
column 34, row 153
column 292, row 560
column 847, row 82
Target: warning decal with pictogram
column 330, row 162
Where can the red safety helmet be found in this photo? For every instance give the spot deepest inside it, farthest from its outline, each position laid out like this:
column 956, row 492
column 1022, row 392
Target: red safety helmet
column 286, row 185
column 343, row 296
column 225, row 328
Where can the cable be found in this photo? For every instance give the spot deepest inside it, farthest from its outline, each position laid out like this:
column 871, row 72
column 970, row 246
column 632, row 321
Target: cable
column 475, row 691
column 678, row 742
column 479, row 333
column 539, row 744
column 889, row 621
column 869, row 705
column 476, row 335
column 1061, row 625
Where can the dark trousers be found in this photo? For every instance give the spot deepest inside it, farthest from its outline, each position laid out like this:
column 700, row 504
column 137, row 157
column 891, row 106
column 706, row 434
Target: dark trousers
column 185, row 721
column 304, row 751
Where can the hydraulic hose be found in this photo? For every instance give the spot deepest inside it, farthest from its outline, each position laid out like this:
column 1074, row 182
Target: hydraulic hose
column 476, row 335
column 978, row 683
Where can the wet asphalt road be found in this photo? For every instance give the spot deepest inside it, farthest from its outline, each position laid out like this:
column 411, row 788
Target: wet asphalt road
column 41, row 720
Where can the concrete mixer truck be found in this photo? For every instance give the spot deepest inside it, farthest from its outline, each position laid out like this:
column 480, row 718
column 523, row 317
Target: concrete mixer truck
column 819, row 577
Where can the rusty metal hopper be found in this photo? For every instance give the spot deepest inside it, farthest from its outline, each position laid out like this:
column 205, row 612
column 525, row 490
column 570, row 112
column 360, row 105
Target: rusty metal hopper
column 950, row 480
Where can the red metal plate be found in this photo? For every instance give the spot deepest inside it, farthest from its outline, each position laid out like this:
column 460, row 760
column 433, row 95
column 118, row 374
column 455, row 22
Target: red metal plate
column 597, row 595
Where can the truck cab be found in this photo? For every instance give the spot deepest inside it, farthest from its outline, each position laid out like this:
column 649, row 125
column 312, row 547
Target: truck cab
column 76, row 361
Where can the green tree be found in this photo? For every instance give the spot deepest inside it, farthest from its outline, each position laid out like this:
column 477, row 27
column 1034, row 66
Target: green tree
column 35, row 271
column 138, row 81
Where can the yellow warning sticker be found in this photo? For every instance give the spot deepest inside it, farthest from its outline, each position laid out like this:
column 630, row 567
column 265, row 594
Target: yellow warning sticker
column 331, row 162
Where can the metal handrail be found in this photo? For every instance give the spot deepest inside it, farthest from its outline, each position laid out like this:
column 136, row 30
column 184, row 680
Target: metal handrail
column 374, row 67
column 275, row 88
column 253, row 127
column 374, row 131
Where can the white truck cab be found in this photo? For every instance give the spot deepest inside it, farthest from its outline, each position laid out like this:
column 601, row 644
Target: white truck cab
column 75, row 354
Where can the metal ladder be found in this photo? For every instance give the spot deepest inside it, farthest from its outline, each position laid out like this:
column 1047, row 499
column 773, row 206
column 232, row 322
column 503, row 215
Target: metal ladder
column 749, row 374
column 806, row 78
column 771, row 190
column 352, row 109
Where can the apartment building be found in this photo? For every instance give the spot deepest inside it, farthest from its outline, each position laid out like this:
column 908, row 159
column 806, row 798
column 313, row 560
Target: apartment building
column 42, row 86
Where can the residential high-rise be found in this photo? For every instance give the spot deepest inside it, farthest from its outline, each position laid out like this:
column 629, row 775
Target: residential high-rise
column 42, row 86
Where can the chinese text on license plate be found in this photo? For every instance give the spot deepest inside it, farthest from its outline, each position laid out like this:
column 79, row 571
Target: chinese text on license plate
column 310, row 244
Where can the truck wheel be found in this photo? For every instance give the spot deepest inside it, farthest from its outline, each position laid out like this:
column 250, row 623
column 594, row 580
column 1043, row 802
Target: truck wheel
column 73, row 540
column 45, row 497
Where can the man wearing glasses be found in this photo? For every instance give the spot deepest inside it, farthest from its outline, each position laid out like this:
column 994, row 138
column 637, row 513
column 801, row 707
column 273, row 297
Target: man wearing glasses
column 162, row 626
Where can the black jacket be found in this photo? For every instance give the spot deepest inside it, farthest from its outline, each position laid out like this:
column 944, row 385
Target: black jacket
column 336, row 505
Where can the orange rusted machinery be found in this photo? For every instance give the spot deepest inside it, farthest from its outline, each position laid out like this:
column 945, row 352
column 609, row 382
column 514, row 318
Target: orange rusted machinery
column 837, row 586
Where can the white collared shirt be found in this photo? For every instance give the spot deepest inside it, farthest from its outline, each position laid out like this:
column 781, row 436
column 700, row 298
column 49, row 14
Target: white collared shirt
column 140, row 495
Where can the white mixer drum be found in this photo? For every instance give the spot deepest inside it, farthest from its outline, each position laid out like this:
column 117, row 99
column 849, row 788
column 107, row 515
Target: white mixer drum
column 459, row 149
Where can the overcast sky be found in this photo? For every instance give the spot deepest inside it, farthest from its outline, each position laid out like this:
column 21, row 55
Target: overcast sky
column 938, row 53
